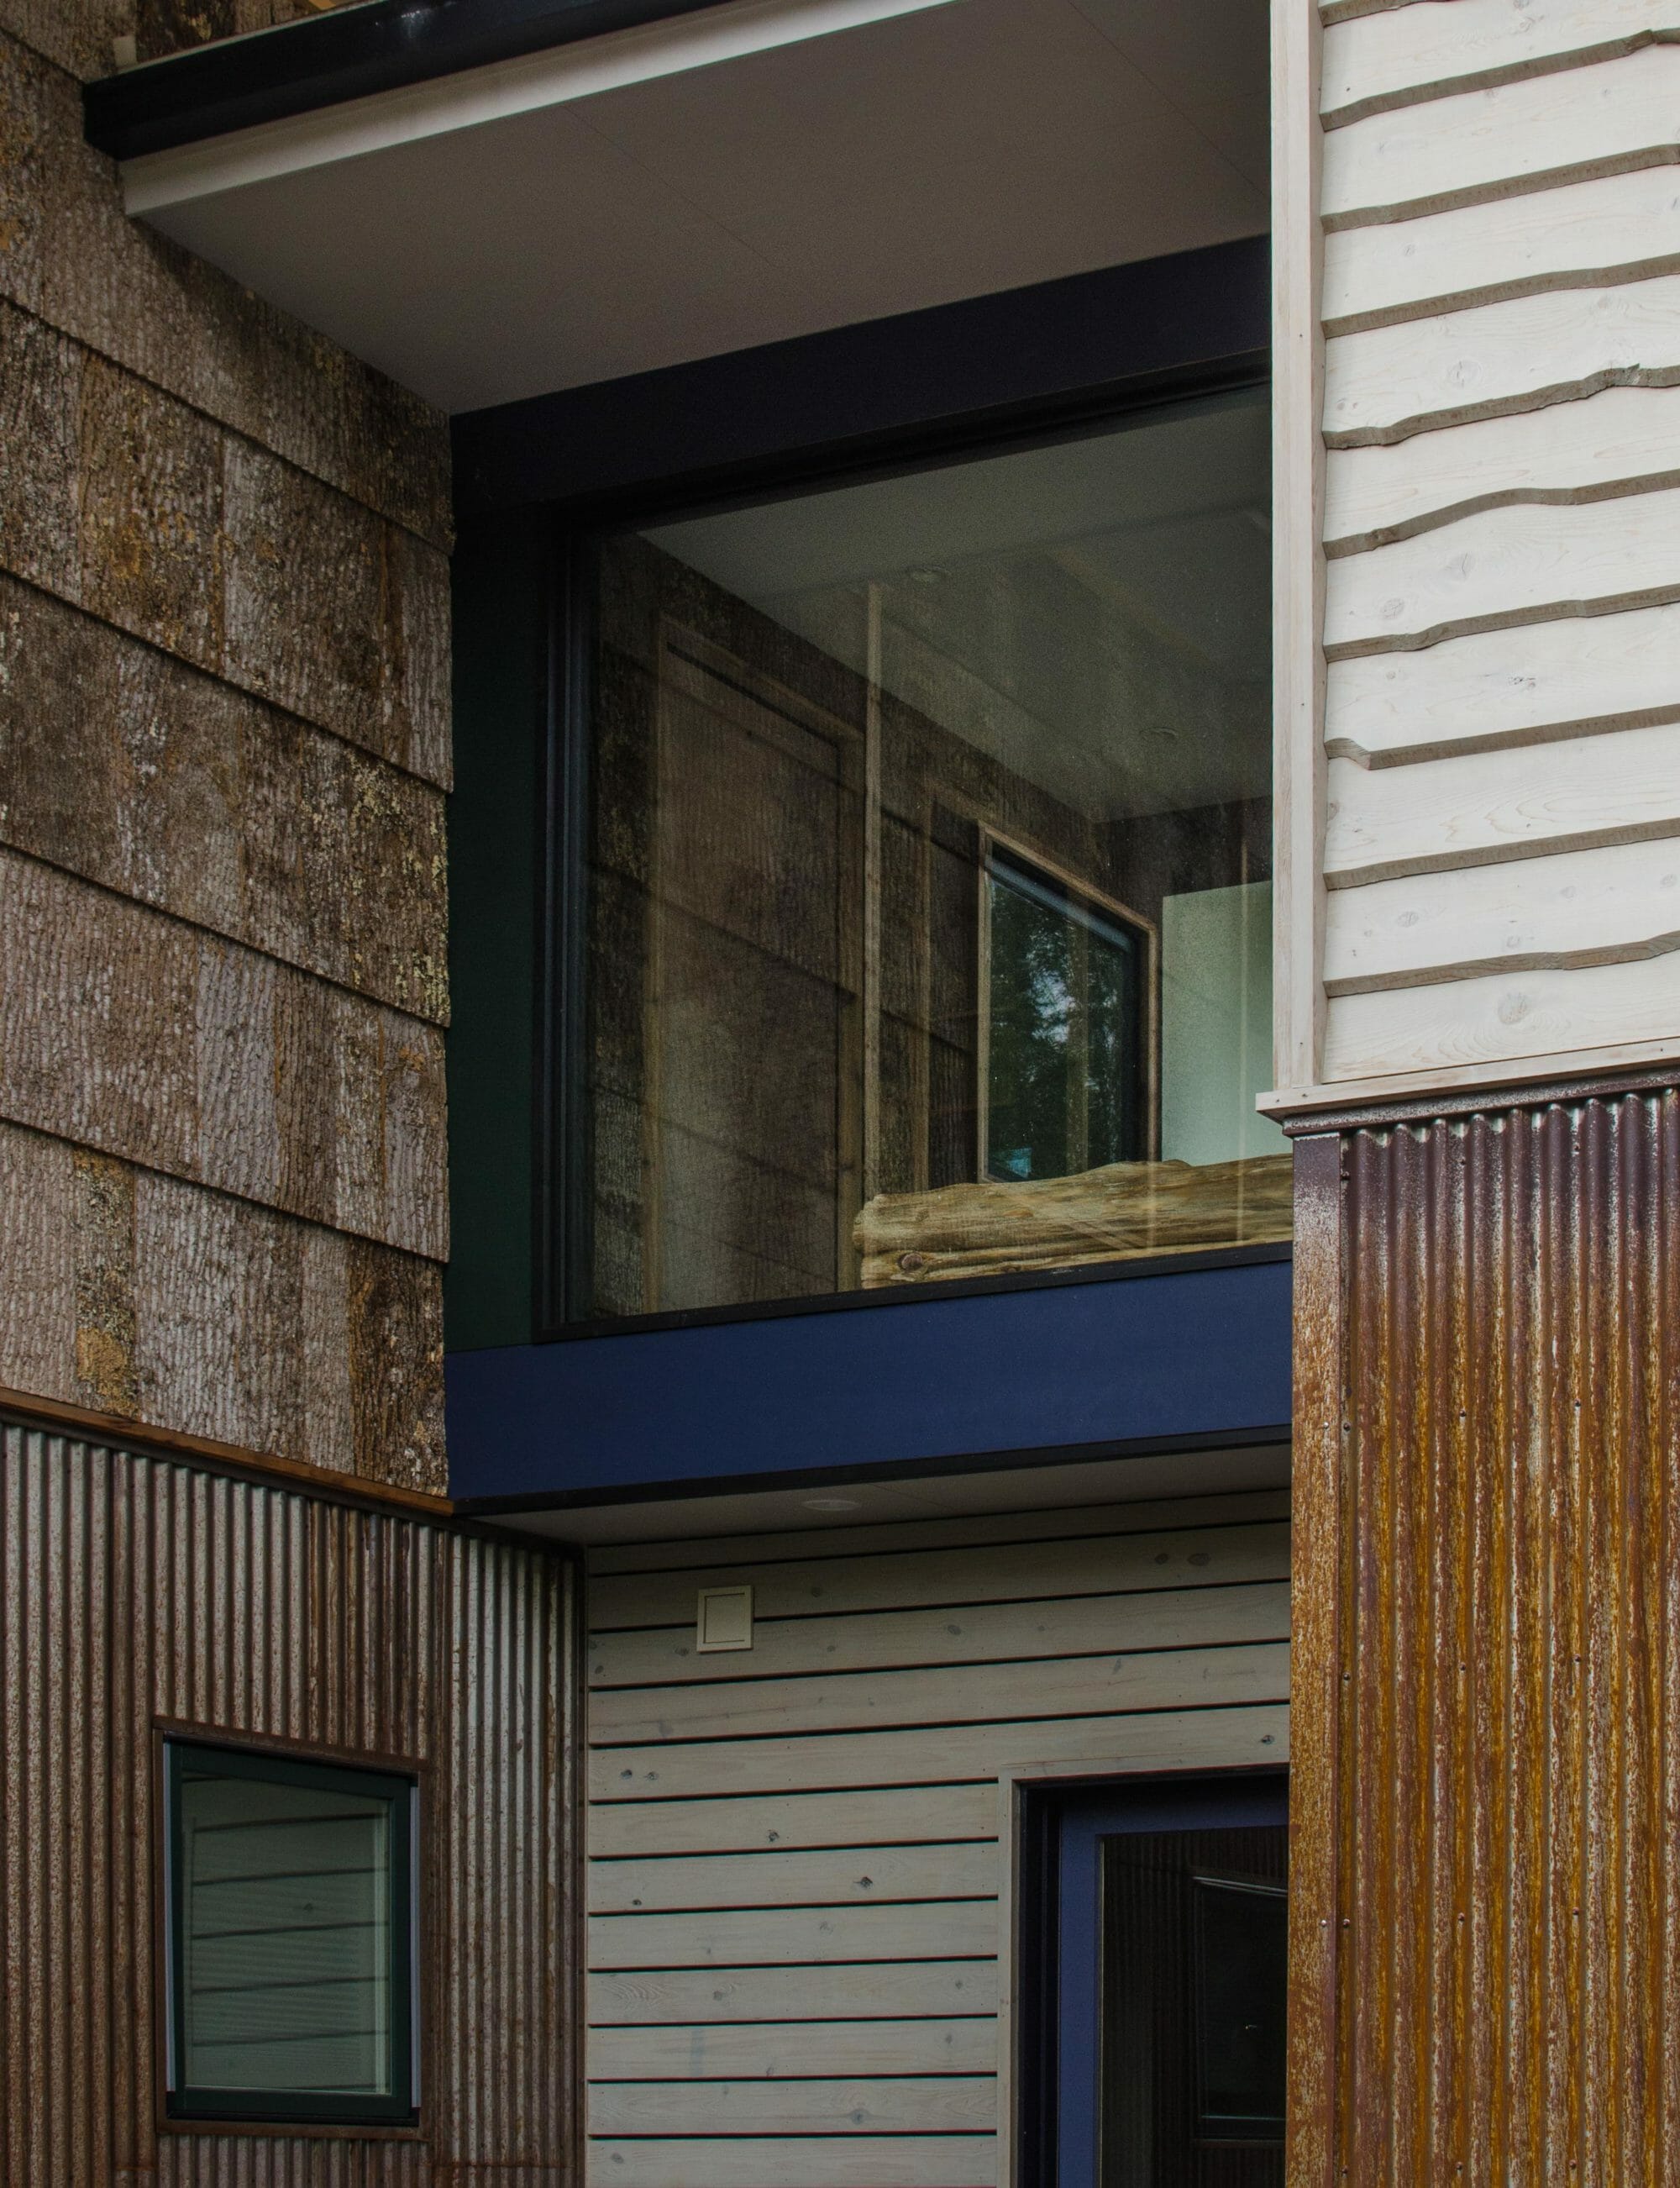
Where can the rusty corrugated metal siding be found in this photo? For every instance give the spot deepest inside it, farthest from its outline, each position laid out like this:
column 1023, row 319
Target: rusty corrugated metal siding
column 1488, row 1649
column 134, row 1588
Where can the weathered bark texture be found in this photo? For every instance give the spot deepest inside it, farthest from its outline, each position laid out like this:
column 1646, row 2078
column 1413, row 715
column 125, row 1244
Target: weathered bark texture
column 1487, row 1889
column 69, row 256
column 146, row 1588
column 224, row 749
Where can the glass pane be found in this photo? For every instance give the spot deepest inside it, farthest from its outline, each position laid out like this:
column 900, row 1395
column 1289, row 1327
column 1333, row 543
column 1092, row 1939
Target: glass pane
column 1193, row 1999
column 286, row 1937
column 929, row 913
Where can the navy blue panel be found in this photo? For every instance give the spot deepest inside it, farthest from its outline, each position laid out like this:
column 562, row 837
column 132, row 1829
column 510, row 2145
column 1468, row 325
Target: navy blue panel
column 1085, row 1820
column 1200, row 1354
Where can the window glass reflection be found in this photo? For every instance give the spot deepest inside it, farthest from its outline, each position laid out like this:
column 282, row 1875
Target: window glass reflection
column 930, row 881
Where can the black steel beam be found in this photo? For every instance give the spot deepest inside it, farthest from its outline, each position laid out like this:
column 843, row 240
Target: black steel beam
column 322, row 60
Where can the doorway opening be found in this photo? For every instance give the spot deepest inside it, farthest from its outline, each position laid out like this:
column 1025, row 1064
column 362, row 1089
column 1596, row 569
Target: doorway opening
column 1153, row 1958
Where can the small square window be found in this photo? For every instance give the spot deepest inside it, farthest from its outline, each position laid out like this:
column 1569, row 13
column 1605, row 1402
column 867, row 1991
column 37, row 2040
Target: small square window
column 290, row 1896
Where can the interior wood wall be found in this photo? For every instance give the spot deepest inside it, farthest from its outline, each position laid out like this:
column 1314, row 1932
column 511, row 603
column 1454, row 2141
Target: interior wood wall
column 1485, row 1885
column 224, row 747
column 794, row 1864
column 1500, row 523
column 135, row 1588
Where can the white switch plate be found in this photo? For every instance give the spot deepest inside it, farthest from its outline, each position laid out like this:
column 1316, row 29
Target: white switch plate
column 722, row 1619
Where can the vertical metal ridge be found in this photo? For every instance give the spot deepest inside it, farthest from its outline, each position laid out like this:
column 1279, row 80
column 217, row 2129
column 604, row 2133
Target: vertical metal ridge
column 1505, row 1637
column 134, row 1589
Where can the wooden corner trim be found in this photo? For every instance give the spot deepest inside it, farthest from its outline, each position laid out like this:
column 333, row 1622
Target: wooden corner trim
column 267, row 1468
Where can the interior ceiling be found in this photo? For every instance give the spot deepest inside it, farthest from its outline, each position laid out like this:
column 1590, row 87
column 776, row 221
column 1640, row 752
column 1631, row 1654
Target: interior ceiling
column 965, row 149
column 928, row 1497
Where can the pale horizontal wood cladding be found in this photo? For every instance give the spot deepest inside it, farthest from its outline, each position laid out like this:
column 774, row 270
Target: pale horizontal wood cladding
column 1241, row 1718
column 910, row 1816
column 126, row 502
column 701, row 1999
column 1379, row 58
column 826, row 1876
column 153, row 1297
column 1624, row 441
column 1501, row 517
column 795, row 1865
column 807, row 2051
column 911, row 2160
column 146, row 1038
column 795, row 1936
column 70, row 256
column 1608, row 230
column 1522, row 353
column 169, row 787
column 1218, row 1609
column 901, row 2104
column 1615, row 113
column 1192, row 1548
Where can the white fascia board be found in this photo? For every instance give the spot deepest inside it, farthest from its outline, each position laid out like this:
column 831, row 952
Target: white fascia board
column 445, row 105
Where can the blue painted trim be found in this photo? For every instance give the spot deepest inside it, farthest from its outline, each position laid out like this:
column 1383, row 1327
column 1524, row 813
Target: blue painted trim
column 1184, row 1357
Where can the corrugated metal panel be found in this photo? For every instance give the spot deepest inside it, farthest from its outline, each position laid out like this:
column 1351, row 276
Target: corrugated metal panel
column 134, row 1589
column 1504, row 1789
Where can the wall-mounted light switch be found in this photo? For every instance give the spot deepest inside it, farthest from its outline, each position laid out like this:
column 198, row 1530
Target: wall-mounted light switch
column 722, row 1619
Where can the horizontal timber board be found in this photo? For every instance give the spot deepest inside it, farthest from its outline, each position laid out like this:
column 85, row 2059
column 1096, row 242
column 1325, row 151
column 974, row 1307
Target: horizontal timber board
column 859, row 1877
column 946, row 1694
column 698, row 1554
column 1477, row 808
column 910, row 1815
column 1603, row 116
column 886, row 2104
column 1610, row 230
column 1088, row 1565
column 1568, row 452
column 167, row 785
column 1481, row 691
column 1505, row 567
column 884, row 1990
column 883, row 1640
column 794, row 1937
column 1526, row 353
column 73, row 257
column 914, row 2161
column 254, row 1079
column 1250, row 1726
column 772, row 2051
column 1496, row 1018
column 1397, row 55
column 130, row 506
column 1586, row 907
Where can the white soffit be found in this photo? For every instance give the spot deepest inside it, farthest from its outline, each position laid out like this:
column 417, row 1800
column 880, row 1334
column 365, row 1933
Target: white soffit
column 755, row 171
column 849, row 1504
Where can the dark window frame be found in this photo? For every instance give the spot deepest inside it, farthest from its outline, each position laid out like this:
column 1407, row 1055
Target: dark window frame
column 561, row 1241
column 187, row 2106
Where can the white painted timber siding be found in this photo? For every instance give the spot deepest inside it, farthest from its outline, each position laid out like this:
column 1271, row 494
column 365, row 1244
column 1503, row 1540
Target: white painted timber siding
column 794, row 1872
column 1495, row 536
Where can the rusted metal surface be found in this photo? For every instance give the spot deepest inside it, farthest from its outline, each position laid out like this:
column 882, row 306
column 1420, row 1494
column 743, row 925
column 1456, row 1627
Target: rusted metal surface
column 136, row 1589
column 1488, row 1641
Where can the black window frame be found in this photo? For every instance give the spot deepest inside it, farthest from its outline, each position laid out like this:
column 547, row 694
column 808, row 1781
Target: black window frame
column 281, row 2108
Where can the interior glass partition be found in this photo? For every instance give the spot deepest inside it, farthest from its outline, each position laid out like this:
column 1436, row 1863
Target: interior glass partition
column 928, row 892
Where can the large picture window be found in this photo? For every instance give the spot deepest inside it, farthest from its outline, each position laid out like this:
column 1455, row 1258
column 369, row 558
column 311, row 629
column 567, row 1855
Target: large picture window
column 926, row 922
column 290, row 1928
